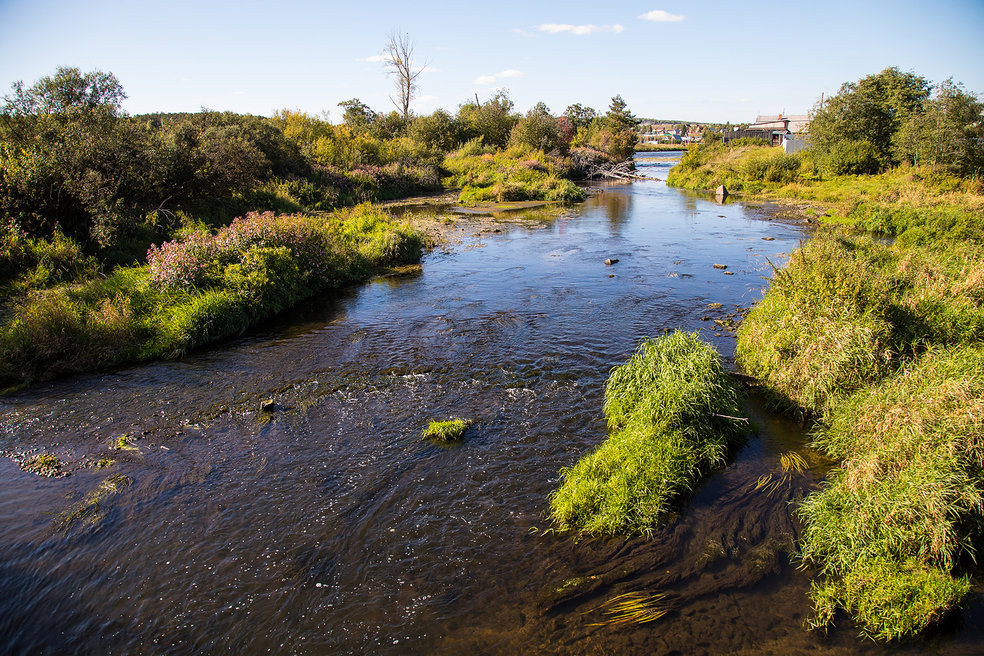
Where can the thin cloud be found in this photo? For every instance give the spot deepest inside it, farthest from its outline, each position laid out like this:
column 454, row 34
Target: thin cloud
column 579, row 30
column 660, row 16
column 489, row 80
column 376, row 58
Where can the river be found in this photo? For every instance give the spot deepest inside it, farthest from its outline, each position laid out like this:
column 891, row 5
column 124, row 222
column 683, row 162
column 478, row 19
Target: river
column 328, row 526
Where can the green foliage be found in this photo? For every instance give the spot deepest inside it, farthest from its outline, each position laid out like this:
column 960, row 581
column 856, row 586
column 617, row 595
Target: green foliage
column 27, row 263
column 492, row 120
column 451, row 430
column 197, row 291
column 538, row 130
column 665, row 409
column 949, row 132
column 871, row 109
column 849, row 158
column 843, row 311
column 438, row 131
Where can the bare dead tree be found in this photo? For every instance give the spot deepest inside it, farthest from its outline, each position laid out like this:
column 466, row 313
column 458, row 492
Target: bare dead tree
column 399, row 61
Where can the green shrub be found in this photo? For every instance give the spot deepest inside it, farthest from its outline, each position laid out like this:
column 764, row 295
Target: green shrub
column 670, row 409
column 200, row 289
column 850, row 158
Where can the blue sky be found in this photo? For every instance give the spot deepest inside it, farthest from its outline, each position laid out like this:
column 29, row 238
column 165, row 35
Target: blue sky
column 703, row 61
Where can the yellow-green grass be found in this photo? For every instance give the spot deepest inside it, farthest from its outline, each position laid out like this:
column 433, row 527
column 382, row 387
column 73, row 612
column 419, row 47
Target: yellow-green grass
column 671, row 412
column 516, row 174
column 893, row 531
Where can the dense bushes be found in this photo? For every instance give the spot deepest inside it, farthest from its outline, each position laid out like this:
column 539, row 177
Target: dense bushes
column 664, row 409
column 197, row 290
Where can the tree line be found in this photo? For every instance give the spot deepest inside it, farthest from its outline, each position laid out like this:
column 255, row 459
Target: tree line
column 75, row 165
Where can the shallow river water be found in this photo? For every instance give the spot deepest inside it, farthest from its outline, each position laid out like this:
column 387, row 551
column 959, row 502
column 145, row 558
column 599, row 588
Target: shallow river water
column 328, row 526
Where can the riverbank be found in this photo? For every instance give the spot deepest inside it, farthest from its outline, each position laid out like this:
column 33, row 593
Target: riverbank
column 879, row 342
column 197, row 290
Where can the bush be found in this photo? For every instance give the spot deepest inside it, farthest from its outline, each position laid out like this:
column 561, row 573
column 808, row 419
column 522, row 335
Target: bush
column 664, row 407
column 850, row 158
column 518, row 173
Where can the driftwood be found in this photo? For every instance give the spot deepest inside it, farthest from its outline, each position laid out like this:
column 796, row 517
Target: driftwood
column 617, row 171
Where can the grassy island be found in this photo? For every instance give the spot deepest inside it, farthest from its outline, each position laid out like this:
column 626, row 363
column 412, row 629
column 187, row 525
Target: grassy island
column 671, row 409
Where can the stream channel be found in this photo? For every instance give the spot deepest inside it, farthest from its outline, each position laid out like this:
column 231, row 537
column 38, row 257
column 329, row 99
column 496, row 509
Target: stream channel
column 328, row 526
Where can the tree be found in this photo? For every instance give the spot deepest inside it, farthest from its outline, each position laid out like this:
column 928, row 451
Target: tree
column 948, row 132
column 493, row 120
column 358, row 116
column 619, row 117
column 871, row 109
column 399, row 60
column 579, row 117
column 538, row 129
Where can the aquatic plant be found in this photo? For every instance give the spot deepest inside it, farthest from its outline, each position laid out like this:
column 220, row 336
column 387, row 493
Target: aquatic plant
column 671, row 409
column 630, row 608
column 451, row 430
column 45, row 464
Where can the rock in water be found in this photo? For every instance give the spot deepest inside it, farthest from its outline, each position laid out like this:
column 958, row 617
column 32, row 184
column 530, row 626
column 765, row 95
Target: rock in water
column 721, row 192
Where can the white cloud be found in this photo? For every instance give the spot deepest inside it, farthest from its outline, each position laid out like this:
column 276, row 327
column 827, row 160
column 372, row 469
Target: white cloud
column 429, row 69
column 489, row 80
column 376, row 58
column 523, row 33
column 579, row 30
column 660, row 16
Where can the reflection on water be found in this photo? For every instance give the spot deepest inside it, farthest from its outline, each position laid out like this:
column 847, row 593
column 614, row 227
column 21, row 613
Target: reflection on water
column 329, row 526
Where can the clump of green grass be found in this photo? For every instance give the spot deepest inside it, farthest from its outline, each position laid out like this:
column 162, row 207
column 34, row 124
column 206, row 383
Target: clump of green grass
column 89, row 510
column 844, row 312
column 451, row 430
column 900, row 515
column 670, row 409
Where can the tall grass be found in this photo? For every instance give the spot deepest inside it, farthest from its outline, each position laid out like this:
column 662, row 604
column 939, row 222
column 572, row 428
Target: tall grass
column 197, row 290
column 670, row 410
column 845, row 311
column 896, row 524
column 518, row 173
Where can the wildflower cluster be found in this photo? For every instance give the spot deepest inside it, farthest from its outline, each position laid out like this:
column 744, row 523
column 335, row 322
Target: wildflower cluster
column 200, row 260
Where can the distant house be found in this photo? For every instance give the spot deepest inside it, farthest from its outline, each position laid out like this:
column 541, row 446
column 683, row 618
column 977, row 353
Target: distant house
column 790, row 131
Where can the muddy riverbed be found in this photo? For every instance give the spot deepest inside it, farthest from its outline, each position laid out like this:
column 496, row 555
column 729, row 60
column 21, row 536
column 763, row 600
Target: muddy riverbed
column 322, row 523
